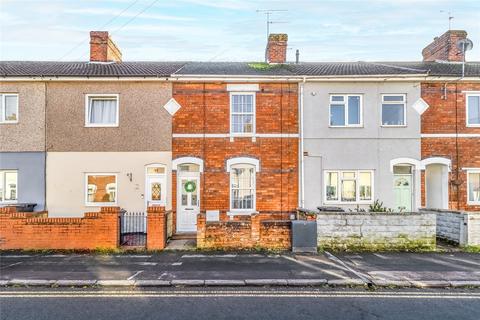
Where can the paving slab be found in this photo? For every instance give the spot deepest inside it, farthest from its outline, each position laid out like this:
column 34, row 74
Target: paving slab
column 266, row 282
column 75, row 283
column 152, row 283
column 306, row 282
column 188, row 282
column 115, row 283
column 235, row 283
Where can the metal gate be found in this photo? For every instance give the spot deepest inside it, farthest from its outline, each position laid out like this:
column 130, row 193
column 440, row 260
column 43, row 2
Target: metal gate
column 133, row 229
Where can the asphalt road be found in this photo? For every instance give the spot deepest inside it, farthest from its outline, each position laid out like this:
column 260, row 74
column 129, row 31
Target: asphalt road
column 244, row 303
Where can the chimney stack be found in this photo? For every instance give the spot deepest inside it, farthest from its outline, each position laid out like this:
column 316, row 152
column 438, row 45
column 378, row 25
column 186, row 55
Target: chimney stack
column 445, row 47
column 102, row 48
column 277, row 48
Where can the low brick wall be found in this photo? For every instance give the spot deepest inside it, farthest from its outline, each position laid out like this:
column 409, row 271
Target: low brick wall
column 245, row 232
column 23, row 230
column 376, row 231
column 460, row 227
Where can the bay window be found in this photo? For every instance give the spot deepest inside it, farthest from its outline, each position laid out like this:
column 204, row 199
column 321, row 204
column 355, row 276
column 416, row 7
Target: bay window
column 348, row 186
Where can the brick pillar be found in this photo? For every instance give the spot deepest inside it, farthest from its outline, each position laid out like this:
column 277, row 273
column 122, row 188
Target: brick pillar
column 110, row 215
column 156, row 228
column 201, row 229
column 255, row 231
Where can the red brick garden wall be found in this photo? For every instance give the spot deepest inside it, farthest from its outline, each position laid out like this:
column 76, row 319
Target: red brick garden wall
column 448, row 116
column 247, row 232
column 20, row 230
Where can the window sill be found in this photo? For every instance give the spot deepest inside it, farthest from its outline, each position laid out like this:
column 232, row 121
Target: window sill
column 473, row 125
column 347, row 127
column 101, row 126
column 9, row 122
column 349, row 203
column 393, row 126
column 241, row 213
column 101, row 204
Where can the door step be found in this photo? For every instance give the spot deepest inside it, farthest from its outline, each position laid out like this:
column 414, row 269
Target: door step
column 184, row 236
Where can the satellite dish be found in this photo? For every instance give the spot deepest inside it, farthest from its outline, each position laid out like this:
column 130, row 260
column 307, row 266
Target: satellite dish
column 464, row 45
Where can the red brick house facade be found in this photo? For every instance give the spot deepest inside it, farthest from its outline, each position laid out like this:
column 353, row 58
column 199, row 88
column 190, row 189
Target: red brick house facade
column 445, row 134
column 203, row 134
column 451, row 128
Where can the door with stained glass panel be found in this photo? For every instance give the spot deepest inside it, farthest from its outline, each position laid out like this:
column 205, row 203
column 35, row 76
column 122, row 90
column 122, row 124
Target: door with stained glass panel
column 155, row 191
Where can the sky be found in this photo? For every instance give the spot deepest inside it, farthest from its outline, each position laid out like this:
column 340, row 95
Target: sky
column 232, row 30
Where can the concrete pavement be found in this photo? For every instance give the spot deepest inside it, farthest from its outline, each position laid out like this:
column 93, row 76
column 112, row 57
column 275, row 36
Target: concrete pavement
column 210, row 269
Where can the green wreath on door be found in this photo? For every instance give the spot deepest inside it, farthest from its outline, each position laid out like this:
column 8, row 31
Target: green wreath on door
column 190, row 186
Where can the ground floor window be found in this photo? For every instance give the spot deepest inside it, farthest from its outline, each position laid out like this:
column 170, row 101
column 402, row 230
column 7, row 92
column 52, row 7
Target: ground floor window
column 101, row 189
column 8, row 186
column 242, row 187
column 348, row 186
column 473, row 186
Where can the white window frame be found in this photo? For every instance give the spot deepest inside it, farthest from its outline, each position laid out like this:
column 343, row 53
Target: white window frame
column 3, row 201
column 345, row 102
column 235, row 211
column 100, row 204
column 254, row 114
column 467, row 95
column 163, row 177
column 339, row 187
column 107, row 96
column 404, row 102
column 469, row 202
column 4, row 107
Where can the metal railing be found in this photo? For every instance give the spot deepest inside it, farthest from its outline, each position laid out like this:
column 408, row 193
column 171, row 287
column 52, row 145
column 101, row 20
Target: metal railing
column 133, row 229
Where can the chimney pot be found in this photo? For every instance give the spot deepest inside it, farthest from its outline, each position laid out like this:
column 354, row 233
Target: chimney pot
column 102, row 48
column 277, row 48
column 445, row 47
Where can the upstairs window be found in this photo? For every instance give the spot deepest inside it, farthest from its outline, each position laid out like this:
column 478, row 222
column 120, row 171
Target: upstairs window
column 8, row 186
column 473, row 110
column 101, row 110
column 394, row 110
column 242, row 113
column 8, row 108
column 346, row 110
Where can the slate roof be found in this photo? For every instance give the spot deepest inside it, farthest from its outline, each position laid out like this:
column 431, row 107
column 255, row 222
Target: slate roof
column 165, row 69
column 83, row 69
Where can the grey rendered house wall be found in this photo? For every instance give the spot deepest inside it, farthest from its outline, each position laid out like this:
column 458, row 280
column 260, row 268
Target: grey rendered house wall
column 31, row 175
column 370, row 147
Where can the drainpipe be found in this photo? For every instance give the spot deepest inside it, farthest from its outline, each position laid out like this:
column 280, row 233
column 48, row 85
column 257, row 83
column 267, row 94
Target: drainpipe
column 302, row 161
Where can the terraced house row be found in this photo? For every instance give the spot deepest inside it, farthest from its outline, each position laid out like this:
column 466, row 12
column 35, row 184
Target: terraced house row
column 236, row 138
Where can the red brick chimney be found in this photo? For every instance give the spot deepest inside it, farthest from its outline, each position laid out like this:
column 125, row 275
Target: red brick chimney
column 445, row 47
column 277, row 48
column 102, row 48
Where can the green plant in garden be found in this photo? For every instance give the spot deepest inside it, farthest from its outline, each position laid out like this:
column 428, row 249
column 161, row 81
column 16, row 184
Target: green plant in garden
column 377, row 206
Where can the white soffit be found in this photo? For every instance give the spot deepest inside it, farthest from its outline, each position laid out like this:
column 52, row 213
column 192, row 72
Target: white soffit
column 172, row 106
column 249, row 87
column 420, row 106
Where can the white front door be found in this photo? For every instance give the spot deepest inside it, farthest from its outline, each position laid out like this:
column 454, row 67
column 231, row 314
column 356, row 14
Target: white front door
column 188, row 203
column 155, row 190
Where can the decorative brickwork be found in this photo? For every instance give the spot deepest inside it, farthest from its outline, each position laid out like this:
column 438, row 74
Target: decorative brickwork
column 156, row 228
column 243, row 233
column 447, row 115
column 23, row 230
column 445, row 47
